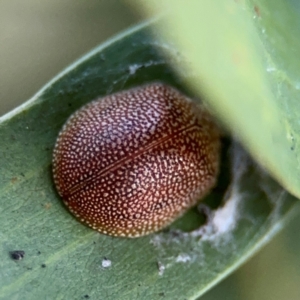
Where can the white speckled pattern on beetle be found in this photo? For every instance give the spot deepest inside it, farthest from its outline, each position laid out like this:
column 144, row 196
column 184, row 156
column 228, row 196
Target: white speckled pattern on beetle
column 131, row 163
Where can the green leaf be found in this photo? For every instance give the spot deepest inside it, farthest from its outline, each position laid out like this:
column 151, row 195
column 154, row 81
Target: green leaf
column 66, row 260
column 245, row 60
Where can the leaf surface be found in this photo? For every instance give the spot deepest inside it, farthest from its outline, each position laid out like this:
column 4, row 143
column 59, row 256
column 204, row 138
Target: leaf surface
column 244, row 56
column 66, row 260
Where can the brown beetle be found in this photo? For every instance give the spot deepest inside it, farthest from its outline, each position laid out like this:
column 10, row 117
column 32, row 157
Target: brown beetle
column 131, row 163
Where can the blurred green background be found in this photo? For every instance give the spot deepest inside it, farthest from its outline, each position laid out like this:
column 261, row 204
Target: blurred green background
column 40, row 38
